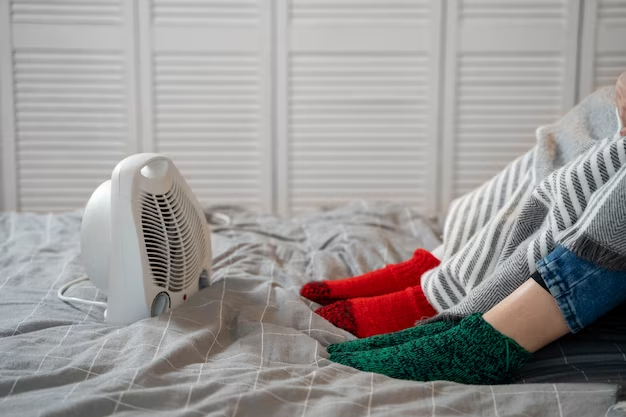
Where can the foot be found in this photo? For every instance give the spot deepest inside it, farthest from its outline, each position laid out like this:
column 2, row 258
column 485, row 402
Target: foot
column 364, row 317
column 390, row 279
column 472, row 352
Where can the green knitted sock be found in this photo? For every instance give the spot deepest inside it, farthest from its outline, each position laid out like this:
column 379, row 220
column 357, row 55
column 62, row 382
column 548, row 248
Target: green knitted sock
column 471, row 353
column 391, row 339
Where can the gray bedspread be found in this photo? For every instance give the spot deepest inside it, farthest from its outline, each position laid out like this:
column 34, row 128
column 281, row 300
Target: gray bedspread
column 246, row 345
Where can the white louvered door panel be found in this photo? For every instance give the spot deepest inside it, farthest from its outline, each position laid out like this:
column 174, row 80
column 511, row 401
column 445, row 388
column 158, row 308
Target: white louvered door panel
column 205, row 69
column 603, row 56
column 69, row 71
column 510, row 67
column 359, row 104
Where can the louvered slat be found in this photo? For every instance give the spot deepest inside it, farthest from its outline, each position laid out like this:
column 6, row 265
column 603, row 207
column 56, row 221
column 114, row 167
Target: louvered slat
column 206, row 12
column 612, row 12
column 357, row 12
column 84, row 12
column 512, row 10
column 608, row 66
column 70, row 124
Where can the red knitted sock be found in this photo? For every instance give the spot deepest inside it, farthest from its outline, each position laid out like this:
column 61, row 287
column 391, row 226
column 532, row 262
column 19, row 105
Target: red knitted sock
column 388, row 313
column 382, row 281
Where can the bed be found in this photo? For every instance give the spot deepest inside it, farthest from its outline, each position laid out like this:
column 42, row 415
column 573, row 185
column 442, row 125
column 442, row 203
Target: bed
column 248, row 344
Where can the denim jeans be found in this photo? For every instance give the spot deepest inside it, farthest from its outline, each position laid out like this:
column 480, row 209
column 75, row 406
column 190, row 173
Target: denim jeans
column 583, row 291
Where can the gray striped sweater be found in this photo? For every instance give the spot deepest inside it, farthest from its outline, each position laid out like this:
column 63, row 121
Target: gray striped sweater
column 565, row 190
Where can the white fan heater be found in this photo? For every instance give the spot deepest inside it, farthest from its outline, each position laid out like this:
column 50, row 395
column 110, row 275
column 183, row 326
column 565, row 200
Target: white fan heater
column 145, row 240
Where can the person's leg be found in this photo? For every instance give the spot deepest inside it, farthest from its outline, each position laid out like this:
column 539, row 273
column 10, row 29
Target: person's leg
column 530, row 316
column 480, row 350
column 585, row 275
column 472, row 352
column 579, row 291
column 490, row 348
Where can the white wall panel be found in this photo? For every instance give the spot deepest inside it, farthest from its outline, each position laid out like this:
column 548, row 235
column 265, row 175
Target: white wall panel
column 361, row 120
column 510, row 67
column 603, row 56
column 206, row 70
column 71, row 124
column 71, row 98
column 290, row 105
column 208, row 110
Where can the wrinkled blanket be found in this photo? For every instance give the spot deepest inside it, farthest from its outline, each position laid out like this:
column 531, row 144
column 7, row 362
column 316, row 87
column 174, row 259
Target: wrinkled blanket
column 246, row 345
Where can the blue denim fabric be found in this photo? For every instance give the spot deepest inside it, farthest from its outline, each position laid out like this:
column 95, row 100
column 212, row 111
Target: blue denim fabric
column 583, row 291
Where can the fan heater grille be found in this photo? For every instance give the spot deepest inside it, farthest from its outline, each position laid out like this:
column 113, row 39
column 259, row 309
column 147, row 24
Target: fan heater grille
column 173, row 236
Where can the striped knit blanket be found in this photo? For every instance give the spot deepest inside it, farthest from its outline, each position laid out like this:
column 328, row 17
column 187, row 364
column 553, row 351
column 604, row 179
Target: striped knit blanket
column 569, row 189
